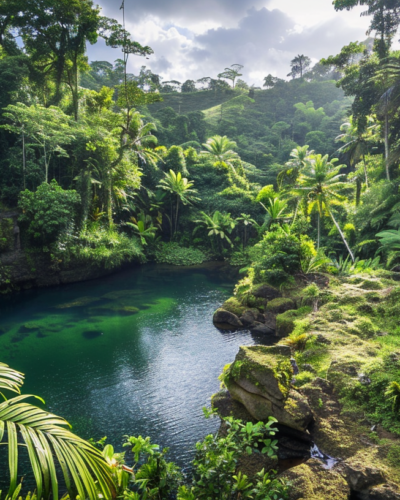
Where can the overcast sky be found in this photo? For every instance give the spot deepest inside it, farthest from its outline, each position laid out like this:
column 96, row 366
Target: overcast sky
column 196, row 38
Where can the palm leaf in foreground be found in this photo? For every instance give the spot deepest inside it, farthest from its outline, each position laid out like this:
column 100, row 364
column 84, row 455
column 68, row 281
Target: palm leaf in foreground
column 83, row 467
column 10, row 379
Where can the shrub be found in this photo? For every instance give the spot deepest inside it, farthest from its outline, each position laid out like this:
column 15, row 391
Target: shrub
column 172, row 253
column 48, row 211
column 6, row 234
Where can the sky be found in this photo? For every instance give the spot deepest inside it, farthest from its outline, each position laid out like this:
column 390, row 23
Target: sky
column 192, row 39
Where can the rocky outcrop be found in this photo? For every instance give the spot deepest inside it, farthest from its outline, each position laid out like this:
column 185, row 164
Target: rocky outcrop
column 311, row 481
column 260, row 379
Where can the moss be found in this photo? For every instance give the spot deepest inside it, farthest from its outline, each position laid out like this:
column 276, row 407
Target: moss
column 234, row 306
column 255, row 302
column 304, row 378
column 285, row 323
column 260, row 361
column 363, row 327
column 280, row 305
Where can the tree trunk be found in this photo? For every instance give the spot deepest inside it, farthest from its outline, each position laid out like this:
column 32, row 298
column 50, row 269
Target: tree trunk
column 358, row 192
column 365, row 171
column 387, row 145
column 23, row 160
column 46, row 166
column 319, row 230
column 176, row 214
column 342, row 235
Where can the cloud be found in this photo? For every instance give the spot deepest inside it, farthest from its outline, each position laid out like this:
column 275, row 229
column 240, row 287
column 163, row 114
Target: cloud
column 182, row 10
column 193, row 39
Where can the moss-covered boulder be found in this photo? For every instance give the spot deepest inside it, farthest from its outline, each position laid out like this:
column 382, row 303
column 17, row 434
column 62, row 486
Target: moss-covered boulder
column 311, row 481
column 266, row 292
column 234, row 306
column 226, row 320
column 251, row 316
column 280, row 305
column 260, row 379
column 285, row 324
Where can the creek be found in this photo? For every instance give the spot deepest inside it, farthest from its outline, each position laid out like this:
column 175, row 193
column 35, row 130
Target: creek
column 134, row 353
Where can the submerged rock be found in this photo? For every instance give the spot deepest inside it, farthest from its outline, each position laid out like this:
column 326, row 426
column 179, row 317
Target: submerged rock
column 226, row 320
column 260, row 329
column 260, row 379
column 81, row 302
column 92, row 334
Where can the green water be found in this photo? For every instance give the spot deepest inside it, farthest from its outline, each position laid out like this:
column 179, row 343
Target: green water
column 111, row 370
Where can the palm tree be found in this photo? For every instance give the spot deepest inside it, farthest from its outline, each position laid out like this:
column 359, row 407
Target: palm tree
column 320, row 184
column 46, row 440
column 181, row 188
column 356, row 142
column 221, row 150
column 275, row 211
column 247, row 221
column 299, row 159
column 218, row 225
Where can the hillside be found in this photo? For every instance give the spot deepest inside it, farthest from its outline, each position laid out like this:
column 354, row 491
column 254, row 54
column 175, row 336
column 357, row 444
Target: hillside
column 266, row 124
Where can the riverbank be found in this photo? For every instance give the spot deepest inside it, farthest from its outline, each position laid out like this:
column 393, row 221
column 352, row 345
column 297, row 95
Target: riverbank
column 339, row 389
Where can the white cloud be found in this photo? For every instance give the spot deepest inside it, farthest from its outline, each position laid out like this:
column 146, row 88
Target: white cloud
column 197, row 38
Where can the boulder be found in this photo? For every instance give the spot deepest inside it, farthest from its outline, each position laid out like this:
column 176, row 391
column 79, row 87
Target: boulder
column 383, row 492
column 251, row 316
column 234, row 306
column 260, row 329
column 280, row 305
column 360, row 477
column 270, row 320
column 311, row 481
column 260, row 379
column 226, row 319
column 266, row 292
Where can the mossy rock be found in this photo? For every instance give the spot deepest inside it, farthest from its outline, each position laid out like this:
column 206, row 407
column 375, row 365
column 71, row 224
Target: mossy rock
column 255, row 302
column 266, row 292
column 262, row 370
column 285, row 323
column 234, row 306
column 226, row 406
column 280, row 305
column 311, row 481
column 335, row 315
column 370, row 284
column 373, row 297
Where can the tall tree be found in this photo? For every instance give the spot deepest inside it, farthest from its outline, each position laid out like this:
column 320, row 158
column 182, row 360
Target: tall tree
column 299, row 65
column 385, row 20
column 232, row 73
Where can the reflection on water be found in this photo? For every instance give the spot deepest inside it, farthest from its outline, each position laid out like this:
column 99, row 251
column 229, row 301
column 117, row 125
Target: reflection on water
column 133, row 353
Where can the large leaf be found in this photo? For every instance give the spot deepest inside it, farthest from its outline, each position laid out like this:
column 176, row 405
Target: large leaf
column 47, row 441
column 10, row 379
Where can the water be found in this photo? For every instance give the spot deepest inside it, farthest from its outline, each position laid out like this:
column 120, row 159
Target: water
column 111, row 372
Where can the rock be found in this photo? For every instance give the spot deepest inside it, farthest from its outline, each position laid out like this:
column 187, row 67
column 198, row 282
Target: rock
column 225, row 319
column 234, row 306
column 284, row 324
column 266, row 292
column 81, row 302
column 226, row 406
column 360, row 477
column 384, row 492
column 306, row 367
column 321, row 339
column 255, row 463
column 260, row 379
column 289, row 448
column 311, row 481
column 260, row 329
column 270, row 320
column 251, row 316
column 280, row 305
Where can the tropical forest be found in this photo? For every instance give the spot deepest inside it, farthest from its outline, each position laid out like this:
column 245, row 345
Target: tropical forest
column 199, row 278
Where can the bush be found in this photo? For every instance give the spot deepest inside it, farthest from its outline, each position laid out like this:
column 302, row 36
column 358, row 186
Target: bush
column 48, row 211
column 6, row 235
column 102, row 247
column 172, row 253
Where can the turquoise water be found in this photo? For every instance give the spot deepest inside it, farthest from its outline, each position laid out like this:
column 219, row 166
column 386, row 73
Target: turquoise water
column 133, row 353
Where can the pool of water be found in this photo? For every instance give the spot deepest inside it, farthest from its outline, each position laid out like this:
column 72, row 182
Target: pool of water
column 133, row 353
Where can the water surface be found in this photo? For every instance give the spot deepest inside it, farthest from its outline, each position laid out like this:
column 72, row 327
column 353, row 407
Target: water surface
column 133, row 353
